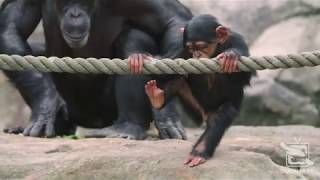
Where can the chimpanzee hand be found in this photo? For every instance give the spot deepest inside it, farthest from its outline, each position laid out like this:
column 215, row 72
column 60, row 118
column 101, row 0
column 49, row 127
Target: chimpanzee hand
column 15, row 130
column 136, row 61
column 50, row 124
column 50, row 120
column 200, row 153
column 229, row 61
column 195, row 160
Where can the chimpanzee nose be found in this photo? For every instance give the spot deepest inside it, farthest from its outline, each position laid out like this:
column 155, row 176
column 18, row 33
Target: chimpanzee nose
column 75, row 13
column 196, row 54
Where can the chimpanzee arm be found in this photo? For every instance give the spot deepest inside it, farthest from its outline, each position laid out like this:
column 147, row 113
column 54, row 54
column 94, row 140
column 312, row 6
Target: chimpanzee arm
column 217, row 124
column 18, row 19
column 132, row 41
column 238, row 44
column 162, row 18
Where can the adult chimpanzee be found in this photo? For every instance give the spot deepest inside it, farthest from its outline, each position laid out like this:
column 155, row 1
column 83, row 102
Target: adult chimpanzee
column 217, row 97
column 82, row 28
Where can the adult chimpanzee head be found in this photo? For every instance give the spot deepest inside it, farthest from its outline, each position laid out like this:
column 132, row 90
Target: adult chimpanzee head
column 203, row 34
column 75, row 20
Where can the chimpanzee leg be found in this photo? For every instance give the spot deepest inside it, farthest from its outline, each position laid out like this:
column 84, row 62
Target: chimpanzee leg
column 166, row 119
column 134, row 112
column 49, row 112
column 133, row 104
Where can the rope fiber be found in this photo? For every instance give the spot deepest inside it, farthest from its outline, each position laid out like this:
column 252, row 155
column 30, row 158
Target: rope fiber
column 164, row 66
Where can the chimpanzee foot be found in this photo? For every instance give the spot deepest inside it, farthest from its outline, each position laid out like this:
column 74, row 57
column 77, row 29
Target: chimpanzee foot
column 155, row 94
column 123, row 130
column 168, row 123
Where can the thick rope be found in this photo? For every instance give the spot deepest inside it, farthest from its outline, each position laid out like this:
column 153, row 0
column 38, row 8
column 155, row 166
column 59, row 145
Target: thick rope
column 164, row 66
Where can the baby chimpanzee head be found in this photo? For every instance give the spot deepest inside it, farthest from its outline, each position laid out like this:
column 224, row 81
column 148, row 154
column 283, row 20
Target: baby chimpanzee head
column 202, row 35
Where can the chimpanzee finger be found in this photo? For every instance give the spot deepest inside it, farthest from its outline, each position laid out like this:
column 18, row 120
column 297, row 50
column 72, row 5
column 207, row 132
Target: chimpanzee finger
column 154, row 86
column 235, row 66
column 49, row 130
column 146, row 89
column 37, row 129
column 226, row 64
column 236, row 57
column 221, row 56
column 16, row 130
column 231, row 64
column 134, row 57
column 137, row 64
column 174, row 133
column 163, row 134
column 141, row 61
column 231, row 59
column 134, row 63
column 231, row 67
column 197, row 161
column 188, row 160
column 150, row 88
column 130, row 63
column 221, row 59
column 177, row 131
column 137, row 67
column 145, row 58
column 148, row 84
column 27, row 130
column 182, row 132
column 193, row 162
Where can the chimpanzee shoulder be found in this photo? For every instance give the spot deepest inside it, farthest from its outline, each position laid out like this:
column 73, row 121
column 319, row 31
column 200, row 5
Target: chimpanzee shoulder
column 5, row 3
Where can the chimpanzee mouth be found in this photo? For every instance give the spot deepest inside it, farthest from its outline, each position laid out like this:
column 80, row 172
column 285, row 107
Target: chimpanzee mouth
column 75, row 37
column 76, row 41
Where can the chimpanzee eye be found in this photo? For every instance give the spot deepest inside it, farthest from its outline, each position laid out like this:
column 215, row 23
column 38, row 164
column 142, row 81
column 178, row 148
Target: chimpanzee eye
column 189, row 46
column 190, row 49
column 202, row 46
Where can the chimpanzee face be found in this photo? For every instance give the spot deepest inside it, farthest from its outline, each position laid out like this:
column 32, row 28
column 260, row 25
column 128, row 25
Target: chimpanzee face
column 202, row 49
column 75, row 20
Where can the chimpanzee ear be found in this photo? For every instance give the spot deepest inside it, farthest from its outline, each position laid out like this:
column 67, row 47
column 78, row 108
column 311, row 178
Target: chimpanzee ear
column 182, row 30
column 222, row 34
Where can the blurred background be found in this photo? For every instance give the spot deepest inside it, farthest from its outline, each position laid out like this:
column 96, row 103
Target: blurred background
column 271, row 27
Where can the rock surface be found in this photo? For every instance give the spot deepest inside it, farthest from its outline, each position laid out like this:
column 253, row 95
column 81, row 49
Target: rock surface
column 271, row 27
column 245, row 153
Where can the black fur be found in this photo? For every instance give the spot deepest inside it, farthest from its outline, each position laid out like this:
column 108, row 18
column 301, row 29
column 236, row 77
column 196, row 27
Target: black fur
column 61, row 101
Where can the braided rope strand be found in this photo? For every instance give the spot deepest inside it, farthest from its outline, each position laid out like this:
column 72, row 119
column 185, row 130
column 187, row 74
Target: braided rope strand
column 164, row 66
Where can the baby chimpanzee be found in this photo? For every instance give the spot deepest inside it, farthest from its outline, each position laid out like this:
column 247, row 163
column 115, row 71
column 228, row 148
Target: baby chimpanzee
column 217, row 97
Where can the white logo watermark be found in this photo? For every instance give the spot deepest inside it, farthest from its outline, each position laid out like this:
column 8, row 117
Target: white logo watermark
column 297, row 154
